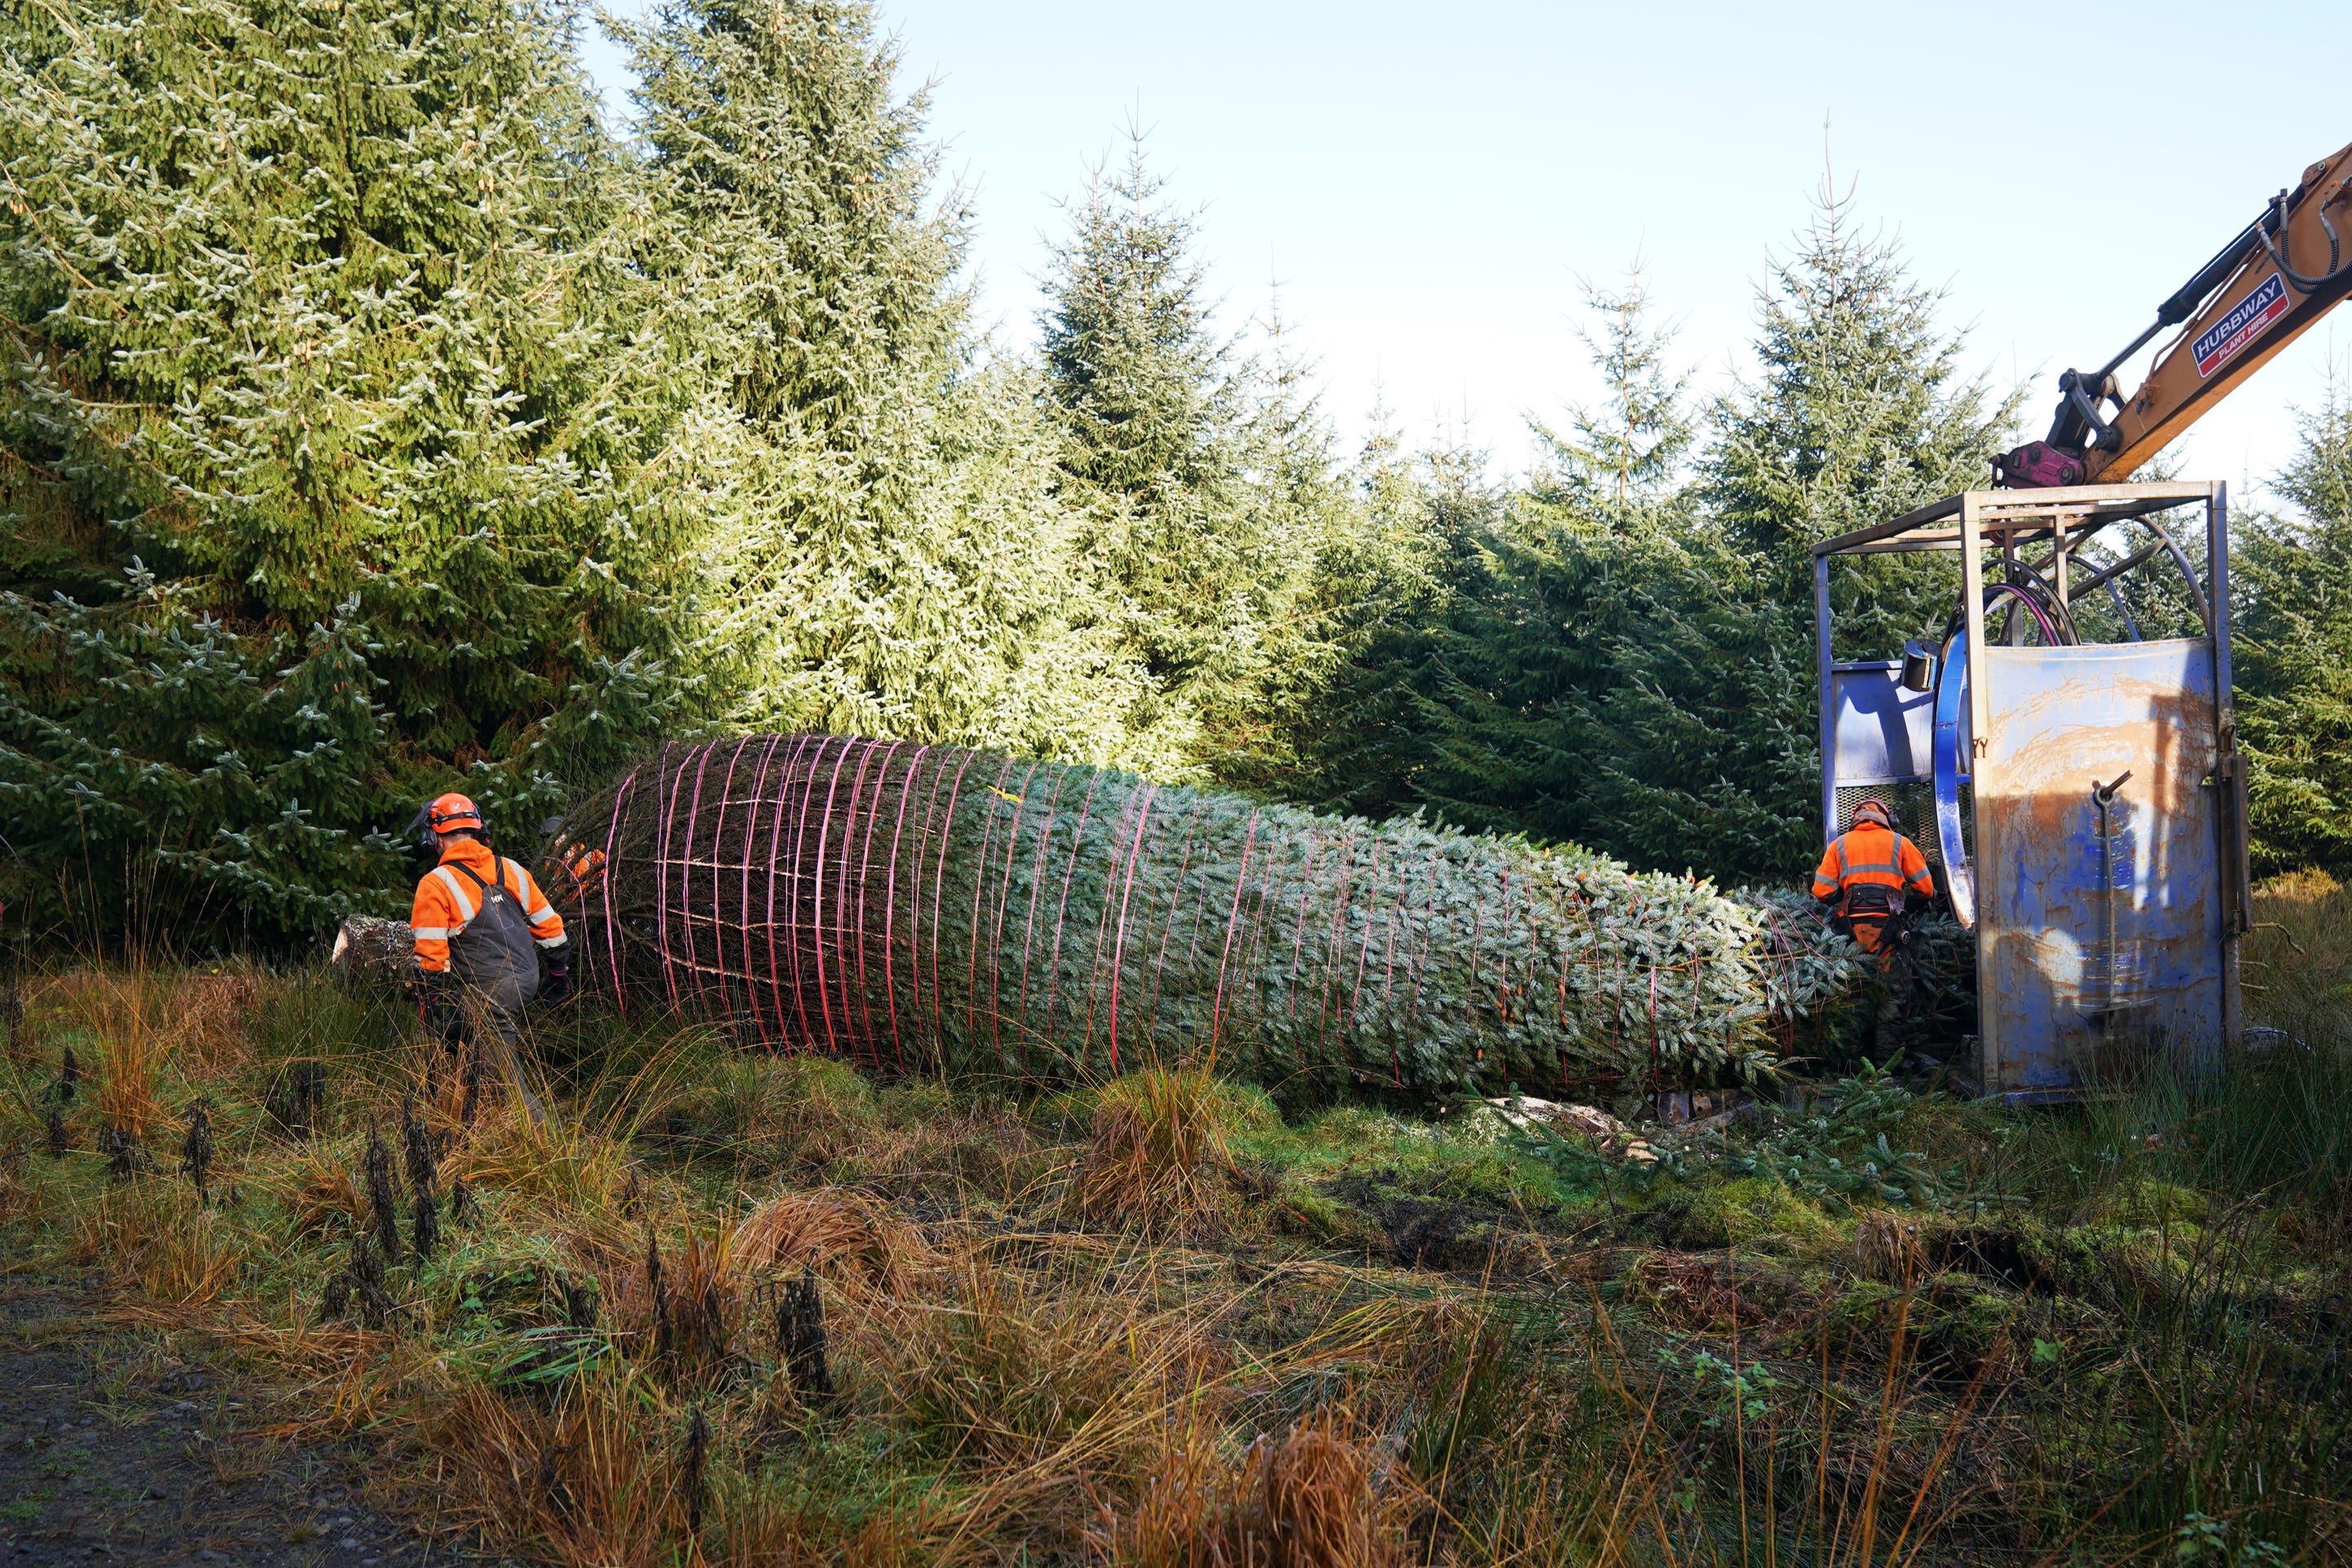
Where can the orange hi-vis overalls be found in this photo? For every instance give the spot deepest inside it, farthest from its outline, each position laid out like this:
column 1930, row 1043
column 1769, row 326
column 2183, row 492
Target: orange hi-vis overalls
column 451, row 899
column 1868, row 856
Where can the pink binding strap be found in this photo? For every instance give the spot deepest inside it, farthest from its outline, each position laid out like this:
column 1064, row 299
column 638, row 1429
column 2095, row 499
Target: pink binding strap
column 667, row 781
column 751, row 841
column 816, row 918
column 1004, row 902
column 890, row 908
column 775, row 842
column 1118, row 948
column 612, row 924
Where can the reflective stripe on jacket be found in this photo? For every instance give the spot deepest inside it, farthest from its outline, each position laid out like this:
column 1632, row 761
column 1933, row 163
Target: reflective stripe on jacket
column 1870, row 855
column 448, row 901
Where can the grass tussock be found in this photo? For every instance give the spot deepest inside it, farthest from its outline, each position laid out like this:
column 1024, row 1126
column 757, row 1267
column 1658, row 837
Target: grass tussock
column 843, row 1236
column 1159, row 1152
column 1324, row 1495
column 1015, row 1368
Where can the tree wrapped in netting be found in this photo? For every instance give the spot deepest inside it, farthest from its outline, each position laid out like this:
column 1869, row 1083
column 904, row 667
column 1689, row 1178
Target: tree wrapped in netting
column 923, row 907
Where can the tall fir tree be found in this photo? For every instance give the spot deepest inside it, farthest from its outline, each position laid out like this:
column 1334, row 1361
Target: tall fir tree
column 1621, row 460
column 314, row 327
column 1189, row 491
column 1562, row 571
column 1705, row 738
column 2293, row 653
column 1626, row 662
column 1300, row 496
column 886, row 554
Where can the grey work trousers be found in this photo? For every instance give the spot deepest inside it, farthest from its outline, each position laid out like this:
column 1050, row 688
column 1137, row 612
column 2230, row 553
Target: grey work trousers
column 1895, row 970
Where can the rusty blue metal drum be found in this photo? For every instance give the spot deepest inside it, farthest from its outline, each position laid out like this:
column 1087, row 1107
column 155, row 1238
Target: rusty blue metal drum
column 2100, row 924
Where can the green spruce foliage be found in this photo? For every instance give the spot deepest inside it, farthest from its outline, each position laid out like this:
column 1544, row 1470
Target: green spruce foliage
column 1620, row 656
column 2294, row 655
column 313, row 325
column 1203, row 497
column 884, row 553
column 1622, row 460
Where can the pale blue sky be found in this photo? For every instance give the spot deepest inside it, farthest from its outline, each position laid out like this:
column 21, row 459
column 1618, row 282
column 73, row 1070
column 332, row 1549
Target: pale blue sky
column 1428, row 183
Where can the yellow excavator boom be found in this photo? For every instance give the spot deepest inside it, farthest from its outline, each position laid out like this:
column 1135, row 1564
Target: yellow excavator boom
column 2262, row 290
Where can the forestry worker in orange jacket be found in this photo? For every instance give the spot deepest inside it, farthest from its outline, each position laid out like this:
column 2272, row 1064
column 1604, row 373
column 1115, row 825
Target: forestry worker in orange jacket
column 1871, row 875
column 482, row 930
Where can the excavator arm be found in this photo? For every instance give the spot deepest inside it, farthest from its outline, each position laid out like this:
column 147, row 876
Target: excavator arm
column 2262, row 290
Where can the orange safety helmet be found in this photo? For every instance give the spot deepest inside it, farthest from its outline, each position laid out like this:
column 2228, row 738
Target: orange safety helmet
column 443, row 813
column 1871, row 810
column 450, row 812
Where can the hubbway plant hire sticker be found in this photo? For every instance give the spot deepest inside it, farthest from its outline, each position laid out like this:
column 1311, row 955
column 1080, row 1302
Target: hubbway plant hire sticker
column 2219, row 344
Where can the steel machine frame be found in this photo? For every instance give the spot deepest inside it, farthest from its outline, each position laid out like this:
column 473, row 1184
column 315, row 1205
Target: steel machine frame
column 2082, row 804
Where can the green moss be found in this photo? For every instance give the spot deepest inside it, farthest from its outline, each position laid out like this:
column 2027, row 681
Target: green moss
column 1401, row 1156
column 1746, row 1211
column 2145, row 1201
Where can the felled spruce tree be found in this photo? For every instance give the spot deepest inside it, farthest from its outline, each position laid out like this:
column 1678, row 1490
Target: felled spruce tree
column 929, row 908
column 312, row 315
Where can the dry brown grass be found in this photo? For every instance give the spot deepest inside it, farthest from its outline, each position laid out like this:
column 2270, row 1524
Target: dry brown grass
column 1009, row 1387
column 133, row 1049
column 144, row 1018
column 1887, row 1248
column 208, row 1017
column 560, row 1165
column 1158, row 1157
column 158, row 1240
column 844, row 1235
column 1325, row 1496
column 1017, row 1369
column 325, row 1197
column 575, row 1484
column 1688, row 1292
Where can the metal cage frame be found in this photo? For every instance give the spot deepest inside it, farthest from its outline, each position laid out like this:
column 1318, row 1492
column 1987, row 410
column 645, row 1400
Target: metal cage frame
column 2062, row 520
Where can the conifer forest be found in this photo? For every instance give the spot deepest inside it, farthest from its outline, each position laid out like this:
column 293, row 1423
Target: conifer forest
column 1167, row 981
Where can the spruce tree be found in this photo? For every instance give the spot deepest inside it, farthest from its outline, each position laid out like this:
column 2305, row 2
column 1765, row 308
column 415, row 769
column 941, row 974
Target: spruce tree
column 315, row 326
column 1857, row 414
column 1204, row 557
column 1621, row 458
column 1626, row 662
column 2294, row 653
column 887, row 555
column 1300, row 496
column 1705, row 739
column 1388, row 593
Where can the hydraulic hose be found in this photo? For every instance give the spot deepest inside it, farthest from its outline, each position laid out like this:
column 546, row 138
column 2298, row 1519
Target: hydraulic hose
column 2277, row 252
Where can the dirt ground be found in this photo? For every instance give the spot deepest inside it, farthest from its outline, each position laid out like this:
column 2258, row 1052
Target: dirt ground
column 128, row 1448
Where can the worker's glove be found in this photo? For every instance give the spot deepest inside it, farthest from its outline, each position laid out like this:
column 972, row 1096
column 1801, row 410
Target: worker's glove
column 556, row 983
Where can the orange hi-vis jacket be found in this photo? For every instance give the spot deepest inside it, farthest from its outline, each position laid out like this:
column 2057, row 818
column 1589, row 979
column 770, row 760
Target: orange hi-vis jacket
column 1868, row 854
column 446, row 900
